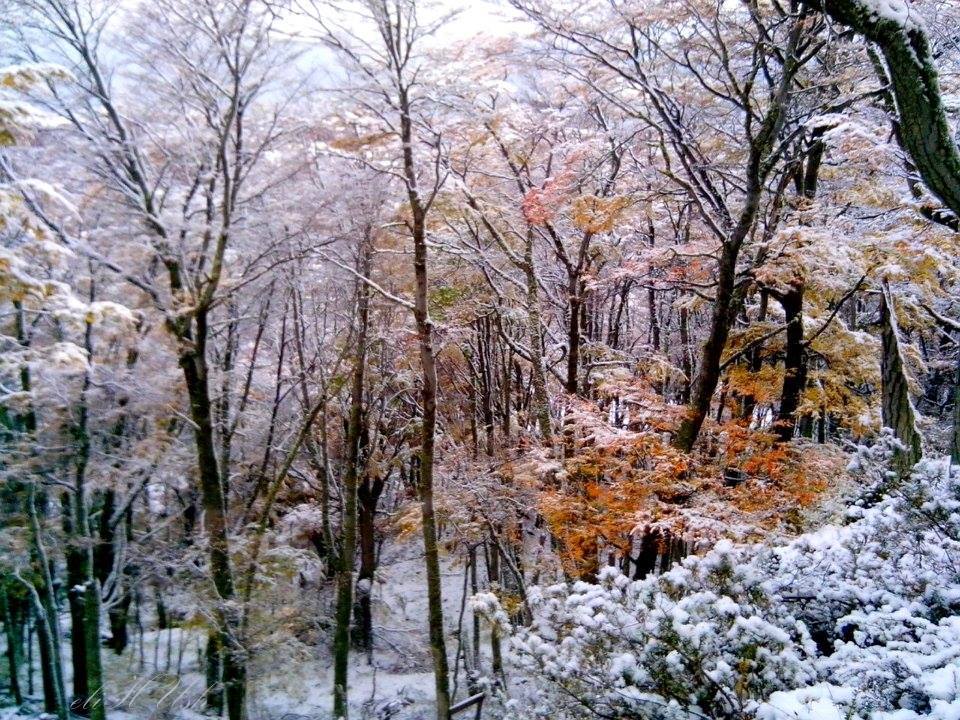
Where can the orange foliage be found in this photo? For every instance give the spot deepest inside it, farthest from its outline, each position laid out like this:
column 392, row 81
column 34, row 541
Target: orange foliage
column 618, row 483
column 596, row 214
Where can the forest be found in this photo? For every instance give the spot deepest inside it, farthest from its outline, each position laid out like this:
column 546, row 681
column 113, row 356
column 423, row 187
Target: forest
column 512, row 359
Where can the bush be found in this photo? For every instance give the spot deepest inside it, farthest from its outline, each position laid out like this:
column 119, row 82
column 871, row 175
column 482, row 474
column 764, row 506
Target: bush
column 856, row 620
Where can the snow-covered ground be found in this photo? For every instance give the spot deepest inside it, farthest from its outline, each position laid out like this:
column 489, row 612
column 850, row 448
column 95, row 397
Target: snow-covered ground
column 165, row 679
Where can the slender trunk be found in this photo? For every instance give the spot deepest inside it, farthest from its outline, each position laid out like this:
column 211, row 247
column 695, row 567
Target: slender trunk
column 955, row 440
column 48, row 673
column 541, row 401
column 474, row 435
column 13, row 631
column 341, row 636
column 193, row 362
column 91, row 702
column 30, row 626
column 795, row 366
column 493, row 577
column 429, row 402
column 73, row 555
column 475, row 625
column 368, row 495
column 654, row 320
column 47, row 615
column 897, row 408
column 686, row 365
column 754, row 361
column 485, row 370
column 573, row 335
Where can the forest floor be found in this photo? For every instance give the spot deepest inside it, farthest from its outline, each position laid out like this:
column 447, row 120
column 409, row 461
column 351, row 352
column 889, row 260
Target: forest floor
column 164, row 679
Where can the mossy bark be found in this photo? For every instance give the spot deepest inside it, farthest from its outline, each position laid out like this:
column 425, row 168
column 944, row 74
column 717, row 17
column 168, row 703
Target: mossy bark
column 897, row 409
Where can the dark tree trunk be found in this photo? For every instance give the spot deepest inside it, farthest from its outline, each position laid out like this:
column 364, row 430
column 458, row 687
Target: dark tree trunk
column 754, row 362
column 48, row 678
column 955, row 439
column 78, row 653
column 13, row 630
column 213, row 673
column 193, row 362
column 654, row 320
column 428, row 399
column 795, row 366
column 685, row 364
column 368, row 495
column 354, row 442
column 493, row 577
column 46, row 612
column 573, row 335
column 723, row 311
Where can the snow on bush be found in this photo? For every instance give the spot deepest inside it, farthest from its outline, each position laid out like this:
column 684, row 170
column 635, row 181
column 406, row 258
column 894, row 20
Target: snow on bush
column 856, row 620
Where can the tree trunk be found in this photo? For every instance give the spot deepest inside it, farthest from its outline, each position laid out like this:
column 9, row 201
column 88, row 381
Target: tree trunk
column 485, row 376
column 213, row 673
column 368, row 495
column 341, row 636
column 709, row 375
column 955, row 440
column 493, row 578
column 429, row 402
column 754, row 360
column 574, row 291
column 795, row 366
column 48, row 673
column 84, row 587
column 47, row 616
column 654, row 320
column 73, row 556
column 897, row 408
column 193, row 362
column 14, row 637
column 685, row 363
column 541, row 401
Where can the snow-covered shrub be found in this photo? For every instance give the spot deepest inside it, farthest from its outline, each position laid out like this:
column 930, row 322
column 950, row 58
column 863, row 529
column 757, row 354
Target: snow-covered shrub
column 884, row 593
column 703, row 639
column 854, row 621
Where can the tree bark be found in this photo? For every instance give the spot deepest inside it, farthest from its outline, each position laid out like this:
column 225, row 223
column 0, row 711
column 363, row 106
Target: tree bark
column 723, row 307
column 73, row 556
column 213, row 673
column 85, row 587
column 193, row 363
column 541, row 401
column 575, row 295
column 955, row 440
column 47, row 616
column 368, row 495
column 13, row 630
column 795, row 366
column 428, row 400
column 348, row 544
column 897, row 408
